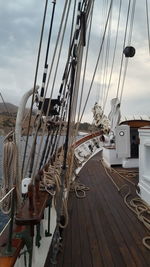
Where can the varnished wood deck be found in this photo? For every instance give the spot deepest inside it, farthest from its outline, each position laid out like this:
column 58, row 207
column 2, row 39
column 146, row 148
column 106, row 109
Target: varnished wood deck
column 102, row 231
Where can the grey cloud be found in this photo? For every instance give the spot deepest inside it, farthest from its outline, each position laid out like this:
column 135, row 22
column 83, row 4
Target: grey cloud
column 20, row 22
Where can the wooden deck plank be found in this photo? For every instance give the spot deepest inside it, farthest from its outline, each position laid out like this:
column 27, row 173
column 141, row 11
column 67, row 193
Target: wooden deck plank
column 75, row 237
column 103, row 223
column 107, row 222
column 83, row 231
column 106, row 257
column 132, row 228
column 119, row 223
column 92, row 239
column 105, row 231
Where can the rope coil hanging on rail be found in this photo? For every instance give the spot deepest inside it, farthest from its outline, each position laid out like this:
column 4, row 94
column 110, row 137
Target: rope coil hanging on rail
column 9, row 172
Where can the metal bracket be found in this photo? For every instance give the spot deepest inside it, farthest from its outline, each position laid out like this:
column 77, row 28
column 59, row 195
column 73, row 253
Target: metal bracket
column 38, row 235
column 47, row 232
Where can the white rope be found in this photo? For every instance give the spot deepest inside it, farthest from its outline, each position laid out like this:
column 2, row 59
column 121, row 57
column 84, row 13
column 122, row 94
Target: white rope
column 9, row 172
column 1, row 200
column 5, row 227
column 52, row 91
column 136, row 205
column 98, row 58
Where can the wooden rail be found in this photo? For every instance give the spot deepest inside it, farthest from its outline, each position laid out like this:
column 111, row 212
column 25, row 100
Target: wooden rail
column 86, row 138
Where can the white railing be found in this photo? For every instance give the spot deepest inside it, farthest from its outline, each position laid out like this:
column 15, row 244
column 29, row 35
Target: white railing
column 1, row 200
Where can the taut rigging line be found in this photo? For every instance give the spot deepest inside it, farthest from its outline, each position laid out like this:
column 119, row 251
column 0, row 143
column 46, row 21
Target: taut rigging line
column 148, row 29
column 52, row 91
column 41, row 102
column 98, row 58
column 122, row 58
column 5, row 104
column 35, row 81
column 114, row 54
column 129, row 43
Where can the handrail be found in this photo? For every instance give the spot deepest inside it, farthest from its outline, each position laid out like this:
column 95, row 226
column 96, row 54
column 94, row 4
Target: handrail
column 5, row 227
column 86, row 138
column 9, row 249
column 1, row 200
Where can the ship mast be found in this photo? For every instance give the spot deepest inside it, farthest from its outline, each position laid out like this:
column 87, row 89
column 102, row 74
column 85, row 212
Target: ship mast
column 76, row 54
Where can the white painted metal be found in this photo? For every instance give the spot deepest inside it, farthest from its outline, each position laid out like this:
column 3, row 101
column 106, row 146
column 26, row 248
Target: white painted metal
column 20, row 115
column 123, row 141
column 144, row 164
column 18, row 128
column 114, row 115
column 110, row 156
column 25, row 183
column 130, row 163
column 135, row 117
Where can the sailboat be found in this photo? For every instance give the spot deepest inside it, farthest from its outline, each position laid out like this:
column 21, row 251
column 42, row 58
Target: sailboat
column 74, row 201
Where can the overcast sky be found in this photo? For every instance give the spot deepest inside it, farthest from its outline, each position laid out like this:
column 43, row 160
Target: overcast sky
column 20, row 25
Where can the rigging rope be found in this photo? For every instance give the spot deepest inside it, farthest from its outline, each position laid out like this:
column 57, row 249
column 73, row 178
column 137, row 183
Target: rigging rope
column 136, row 205
column 5, row 104
column 107, row 58
column 97, row 62
column 101, row 65
column 129, row 43
column 46, row 57
column 75, row 132
column 57, row 42
column 35, row 81
column 122, row 58
column 114, row 54
column 79, row 189
column 42, row 98
column 85, row 64
column 148, row 29
column 9, row 172
column 61, row 43
column 39, row 118
column 44, row 126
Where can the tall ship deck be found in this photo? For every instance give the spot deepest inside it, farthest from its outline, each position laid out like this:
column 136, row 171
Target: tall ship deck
column 102, row 230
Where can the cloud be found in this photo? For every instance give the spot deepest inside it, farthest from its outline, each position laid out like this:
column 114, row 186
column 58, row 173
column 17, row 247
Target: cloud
column 20, row 30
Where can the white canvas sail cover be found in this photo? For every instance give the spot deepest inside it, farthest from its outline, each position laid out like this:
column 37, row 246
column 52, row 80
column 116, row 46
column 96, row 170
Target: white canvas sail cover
column 115, row 114
column 99, row 118
column 97, row 114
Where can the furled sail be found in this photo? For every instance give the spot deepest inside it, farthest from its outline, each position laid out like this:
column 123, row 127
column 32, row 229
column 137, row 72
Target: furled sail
column 100, row 120
column 115, row 114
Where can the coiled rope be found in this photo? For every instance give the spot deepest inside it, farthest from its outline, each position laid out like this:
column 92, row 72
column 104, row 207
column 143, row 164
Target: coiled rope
column 79, row 189
column 136, row 205
column 9, row 171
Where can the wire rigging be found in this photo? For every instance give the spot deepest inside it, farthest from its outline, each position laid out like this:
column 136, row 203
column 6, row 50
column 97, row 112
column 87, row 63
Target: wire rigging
column 41, row 102
column 35, row 81
column 5, row 105
column 97, row 62
column 129, row 43
column 107, row 58
column 114, row 55
column 85, row 64
column 51, row 94
column 148, row 28
column 41, row 110
column 101, row 65
column 122, row 58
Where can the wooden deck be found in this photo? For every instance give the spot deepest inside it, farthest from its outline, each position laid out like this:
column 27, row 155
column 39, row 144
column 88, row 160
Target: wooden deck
column 102, row 231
